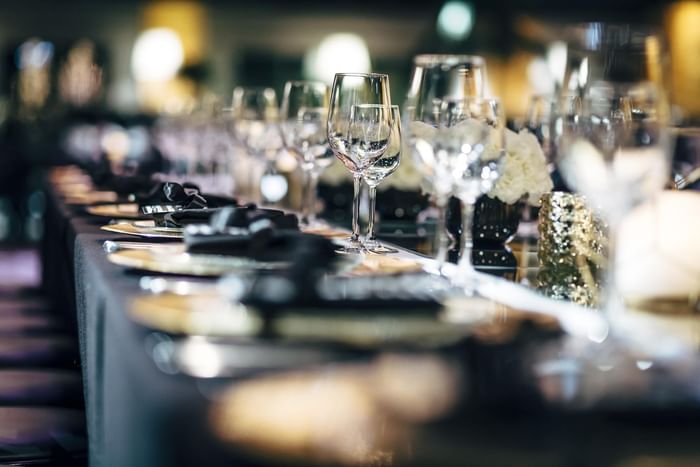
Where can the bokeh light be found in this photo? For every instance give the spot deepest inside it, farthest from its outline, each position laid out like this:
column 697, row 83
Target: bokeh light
column 455, row 20
column 157, row 56
column 337, row 53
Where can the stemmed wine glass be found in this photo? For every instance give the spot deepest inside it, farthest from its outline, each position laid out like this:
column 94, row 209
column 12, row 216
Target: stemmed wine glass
column 302, row 123
column 436, row 78
column 359, row 127
column 373, row 175
column 615, row 151
column 469, row 143
column 255, row 116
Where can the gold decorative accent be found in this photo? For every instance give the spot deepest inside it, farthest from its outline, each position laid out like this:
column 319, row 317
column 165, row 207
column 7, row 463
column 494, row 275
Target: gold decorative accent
column 571, row 249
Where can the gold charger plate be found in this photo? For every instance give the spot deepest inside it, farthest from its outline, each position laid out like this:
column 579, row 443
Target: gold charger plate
column 186, row 263
column 210, row 315
column 205, row 314
column 144, row 229
column 116, row 211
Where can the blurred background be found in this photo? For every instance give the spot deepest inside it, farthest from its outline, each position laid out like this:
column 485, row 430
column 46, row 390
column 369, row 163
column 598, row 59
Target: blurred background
column 87, row 79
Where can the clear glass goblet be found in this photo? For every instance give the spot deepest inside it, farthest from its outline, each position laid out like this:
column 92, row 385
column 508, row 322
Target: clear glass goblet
column 359, row 127
column 436, row 78
column 303, row 126
column 615, row 150
column 255, row 117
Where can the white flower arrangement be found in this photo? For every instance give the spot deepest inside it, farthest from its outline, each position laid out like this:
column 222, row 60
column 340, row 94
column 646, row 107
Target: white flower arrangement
column 523, row 171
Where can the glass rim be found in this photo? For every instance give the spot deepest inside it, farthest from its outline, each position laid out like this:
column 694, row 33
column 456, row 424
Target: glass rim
column 448, row 59
column 363, row 75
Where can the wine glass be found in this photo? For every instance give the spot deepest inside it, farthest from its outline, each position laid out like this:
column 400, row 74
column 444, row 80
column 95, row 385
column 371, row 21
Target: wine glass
column 602, row 51
column 302, row 123
column 470, row 142
column 255, row 116
column 374, row 174
column 615, row 151
column 359, row 126
column 436, row 78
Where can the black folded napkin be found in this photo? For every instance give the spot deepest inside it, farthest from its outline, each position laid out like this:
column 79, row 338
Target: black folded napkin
column 266, row 244
column 185, row 196
column 245, row 216
column 222, row 218
column 186, row 217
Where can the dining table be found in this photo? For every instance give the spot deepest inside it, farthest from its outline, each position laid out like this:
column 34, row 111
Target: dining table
column 520, row 390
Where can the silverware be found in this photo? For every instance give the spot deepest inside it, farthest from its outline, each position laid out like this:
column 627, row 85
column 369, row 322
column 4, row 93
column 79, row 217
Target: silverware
column 110, row 246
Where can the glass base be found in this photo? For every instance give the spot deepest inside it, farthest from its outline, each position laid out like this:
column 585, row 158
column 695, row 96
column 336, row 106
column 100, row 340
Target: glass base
column 354, row 247
column 379, row 249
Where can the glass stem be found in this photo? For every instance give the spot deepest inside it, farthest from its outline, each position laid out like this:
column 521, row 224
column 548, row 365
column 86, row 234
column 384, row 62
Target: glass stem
column 372, row 211
column 465, row 258
column 442, row 241
column 357, row 185
column 311, row 194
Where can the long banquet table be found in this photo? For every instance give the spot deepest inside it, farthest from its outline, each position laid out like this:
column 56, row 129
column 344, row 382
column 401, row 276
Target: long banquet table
column 139, row 415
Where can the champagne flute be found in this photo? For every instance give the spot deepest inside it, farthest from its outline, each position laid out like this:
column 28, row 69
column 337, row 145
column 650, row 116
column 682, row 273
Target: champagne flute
column 434, row 79
column 616, row 153
column 358, row 135
column 471, row 137
column 302, row 120
column 373, row 175
column 255, row 114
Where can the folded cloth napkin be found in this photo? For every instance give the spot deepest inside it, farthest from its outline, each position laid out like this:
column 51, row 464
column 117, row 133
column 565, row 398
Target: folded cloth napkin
column 186, row 195
column 245, row 216
column 186, row 217
column 266, row 244
column 220, row 219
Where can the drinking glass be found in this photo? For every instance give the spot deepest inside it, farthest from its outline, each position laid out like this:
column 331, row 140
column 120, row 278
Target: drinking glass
column 436, row 78
column 374, row 174
column 255, row 117
column 615, row 151
column 302, row 123
column 359, row 127
column 602, row 51
column 470, row 141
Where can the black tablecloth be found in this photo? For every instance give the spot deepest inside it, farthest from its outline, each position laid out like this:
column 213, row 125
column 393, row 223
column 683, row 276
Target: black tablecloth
column 138, row 415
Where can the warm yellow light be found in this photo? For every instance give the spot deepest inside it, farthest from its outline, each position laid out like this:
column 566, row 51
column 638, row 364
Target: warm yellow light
column 684, row 45
column 186, row 18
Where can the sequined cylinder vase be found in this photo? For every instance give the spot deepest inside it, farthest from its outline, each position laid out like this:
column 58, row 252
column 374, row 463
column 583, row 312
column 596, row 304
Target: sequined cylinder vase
column 571, row 249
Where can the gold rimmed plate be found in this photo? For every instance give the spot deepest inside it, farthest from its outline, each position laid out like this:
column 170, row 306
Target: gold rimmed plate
column 182, row 263
column 116, row 211
column 208, row 314
column 145, row 229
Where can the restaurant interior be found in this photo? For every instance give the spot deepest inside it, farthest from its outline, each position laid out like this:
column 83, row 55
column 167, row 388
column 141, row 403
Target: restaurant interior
column 367, row 233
